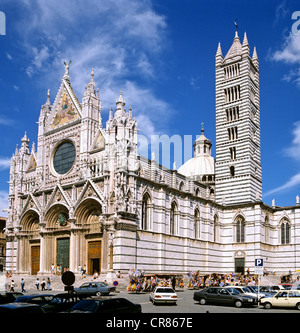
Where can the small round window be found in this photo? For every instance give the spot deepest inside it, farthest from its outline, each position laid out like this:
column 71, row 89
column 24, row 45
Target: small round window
column 64, row 158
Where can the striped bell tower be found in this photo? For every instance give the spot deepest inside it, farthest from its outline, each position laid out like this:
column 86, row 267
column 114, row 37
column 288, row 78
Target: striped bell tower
column 238, row 172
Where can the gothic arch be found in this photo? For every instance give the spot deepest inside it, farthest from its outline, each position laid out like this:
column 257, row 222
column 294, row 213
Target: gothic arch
column 88, row 211
column 239, row 225
column 146, row 212
column 57, row 215
column 30, row 221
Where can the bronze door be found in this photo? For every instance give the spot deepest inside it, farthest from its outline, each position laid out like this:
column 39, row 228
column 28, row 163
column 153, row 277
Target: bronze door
column 63, row 252
column 94, row 257
column 35, row 259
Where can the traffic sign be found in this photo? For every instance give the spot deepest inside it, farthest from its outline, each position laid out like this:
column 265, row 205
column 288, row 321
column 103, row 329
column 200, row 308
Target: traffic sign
column 68, row 278
column 259, row 262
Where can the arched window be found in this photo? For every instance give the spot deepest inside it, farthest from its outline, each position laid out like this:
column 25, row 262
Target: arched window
column 197, row 224
column 285, row 231
column 240, row 229
column 267, row 229
column 146, row 212
column 174, row 219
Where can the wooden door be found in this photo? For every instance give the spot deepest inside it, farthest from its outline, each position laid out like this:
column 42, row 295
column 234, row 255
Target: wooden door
column 94, row 257
column 35, row 259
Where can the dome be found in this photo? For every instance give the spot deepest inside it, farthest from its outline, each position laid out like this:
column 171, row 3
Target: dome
column 202, row 164
column 198, row 166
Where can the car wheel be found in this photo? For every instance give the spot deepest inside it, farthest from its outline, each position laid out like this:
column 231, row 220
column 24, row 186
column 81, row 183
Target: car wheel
column 202, row 301
column 267, row 305
column 238, row 304
column 98, row 293
column 298, row 306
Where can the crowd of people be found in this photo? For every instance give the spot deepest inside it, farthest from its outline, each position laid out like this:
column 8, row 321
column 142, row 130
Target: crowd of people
column 196, row 280
column 139, row 282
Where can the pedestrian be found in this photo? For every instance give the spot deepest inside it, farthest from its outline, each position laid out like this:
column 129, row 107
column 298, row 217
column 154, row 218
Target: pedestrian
column 23, row 286
column 80, row 270
column 52, row 269
column 37, row 283
column 43, row 284
column 173, row 282
column 48, row 283
column 83, row 271
column 12, row 286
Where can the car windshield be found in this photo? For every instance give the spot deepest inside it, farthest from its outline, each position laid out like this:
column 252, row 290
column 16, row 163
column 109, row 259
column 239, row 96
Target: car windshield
column 103, row 284
column 164, row 290
column 86, row 305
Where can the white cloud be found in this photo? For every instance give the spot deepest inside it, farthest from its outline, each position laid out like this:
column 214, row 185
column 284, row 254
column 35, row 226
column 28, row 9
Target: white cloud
column 290, row 51
column 4, row 163
column 122, row 40
column 291, row 183
column 3, row 203
column 289, row 54
column 294, row 150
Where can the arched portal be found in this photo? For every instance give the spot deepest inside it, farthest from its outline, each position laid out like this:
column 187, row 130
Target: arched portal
column 56, row 238
column 29, row 243
column 90, row 244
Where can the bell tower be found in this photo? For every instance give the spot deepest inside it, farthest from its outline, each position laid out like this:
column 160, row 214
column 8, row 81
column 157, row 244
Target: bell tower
column 238, row 172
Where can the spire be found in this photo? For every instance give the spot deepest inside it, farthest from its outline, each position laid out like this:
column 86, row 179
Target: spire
column 254, row 56
column 120, row 105
column 111, row 113
column 245, row 41
column 235, row 49
column 245, row 46
column 48, row 97
column 219, row 55
column 219, row 51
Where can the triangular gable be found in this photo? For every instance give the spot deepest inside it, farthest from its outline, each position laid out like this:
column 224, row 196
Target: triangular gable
column 58, row 196
column 32, row 163
column 99, row 142
column 89, row 190
column 66, row 107
column 31, row 203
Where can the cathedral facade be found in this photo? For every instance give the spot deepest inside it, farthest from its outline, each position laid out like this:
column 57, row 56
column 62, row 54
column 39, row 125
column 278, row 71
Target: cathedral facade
column 83, row 196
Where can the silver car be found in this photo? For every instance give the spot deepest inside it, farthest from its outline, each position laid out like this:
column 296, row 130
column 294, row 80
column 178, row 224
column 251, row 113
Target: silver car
column 95, row 289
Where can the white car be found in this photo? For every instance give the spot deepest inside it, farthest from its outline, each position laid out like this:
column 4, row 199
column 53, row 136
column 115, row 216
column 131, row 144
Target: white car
column 163, row 295
column 283, row 298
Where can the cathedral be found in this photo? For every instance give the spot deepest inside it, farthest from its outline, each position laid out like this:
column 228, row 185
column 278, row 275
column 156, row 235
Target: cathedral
column 83, row 196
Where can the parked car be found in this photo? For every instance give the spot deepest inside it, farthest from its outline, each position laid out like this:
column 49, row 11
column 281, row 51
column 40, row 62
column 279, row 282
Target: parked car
column 61, row 302
column 287, row 286
column 95, row 289
column 271, row 289
column 221, row 295
column 19, row 308
column 9, row 297
column 163, row 295
column 244, row 290
column 283, row 298
column 39, row 299
column 111, row 305
column 261, row 293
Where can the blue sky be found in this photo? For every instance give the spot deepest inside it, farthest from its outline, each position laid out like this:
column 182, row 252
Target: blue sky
column 160, row 54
